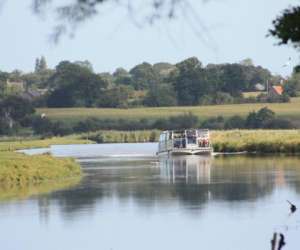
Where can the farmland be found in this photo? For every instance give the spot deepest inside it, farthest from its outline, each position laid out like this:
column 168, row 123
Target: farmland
column 285, row 110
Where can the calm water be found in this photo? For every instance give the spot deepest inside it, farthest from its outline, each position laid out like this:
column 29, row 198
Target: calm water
column 130, row 200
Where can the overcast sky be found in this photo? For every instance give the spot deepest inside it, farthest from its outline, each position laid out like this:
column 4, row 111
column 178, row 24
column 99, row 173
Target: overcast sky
column 223, row 31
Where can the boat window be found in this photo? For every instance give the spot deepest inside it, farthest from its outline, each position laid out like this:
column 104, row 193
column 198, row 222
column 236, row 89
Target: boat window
column 192, row 140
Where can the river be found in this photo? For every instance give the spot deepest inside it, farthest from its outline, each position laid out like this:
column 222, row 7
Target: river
column 131, row 200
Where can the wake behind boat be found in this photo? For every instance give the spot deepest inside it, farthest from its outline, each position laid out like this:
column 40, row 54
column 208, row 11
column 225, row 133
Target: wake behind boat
column 185, row 142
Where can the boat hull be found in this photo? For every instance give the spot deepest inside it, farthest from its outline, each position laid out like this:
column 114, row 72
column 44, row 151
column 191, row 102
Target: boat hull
column 184, row 151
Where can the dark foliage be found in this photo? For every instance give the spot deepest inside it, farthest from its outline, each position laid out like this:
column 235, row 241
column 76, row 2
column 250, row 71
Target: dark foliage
column 75, row 86
column 287, row 27
column 45, row 127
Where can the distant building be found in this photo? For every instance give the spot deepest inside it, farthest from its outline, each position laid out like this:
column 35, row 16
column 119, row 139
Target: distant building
column 259, row 87
column 275, row 91
column 15, row 85
column 33, row 94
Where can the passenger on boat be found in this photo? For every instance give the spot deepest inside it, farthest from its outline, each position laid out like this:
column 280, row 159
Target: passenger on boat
column 203, row 143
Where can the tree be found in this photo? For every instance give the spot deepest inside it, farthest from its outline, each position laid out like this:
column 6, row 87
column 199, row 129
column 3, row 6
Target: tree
column 43, row 64
column 38, row 79
column 13, row 109
column 115, row 97
column 292, row 86
column 233, row 79
column 40, row 65
column 85, row 64
column 3, row 79
column 75, row 85
column 122, row 77
column 286, row 27
column 260, row 119
column 121, row 72
column 162, row 95
column 247, row 62
column 143, row 76
column 37, row 65
column 189, row 81
column 163, row 70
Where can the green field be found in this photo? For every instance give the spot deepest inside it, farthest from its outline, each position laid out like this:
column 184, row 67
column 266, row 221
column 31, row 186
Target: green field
column 287, row 110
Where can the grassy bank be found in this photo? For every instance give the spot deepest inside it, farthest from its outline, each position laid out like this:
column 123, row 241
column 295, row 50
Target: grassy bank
column 284, row 110
column 22, row 176
column 21, row 170
column 9, row 144
column 260, row 141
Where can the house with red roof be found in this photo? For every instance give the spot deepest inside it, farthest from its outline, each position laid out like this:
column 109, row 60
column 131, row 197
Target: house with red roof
column 275, row 91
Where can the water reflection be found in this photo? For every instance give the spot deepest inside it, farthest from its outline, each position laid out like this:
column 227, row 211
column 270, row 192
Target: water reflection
column 123, row 199
column 188, row 169
column 188, row 181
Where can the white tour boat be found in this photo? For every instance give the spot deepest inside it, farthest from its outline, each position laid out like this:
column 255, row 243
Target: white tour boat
column 185, row 142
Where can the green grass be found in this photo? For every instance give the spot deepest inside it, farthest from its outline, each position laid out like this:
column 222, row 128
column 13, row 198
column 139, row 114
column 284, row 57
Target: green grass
column 22, row 175
column 21, row 170
column 259, row 141
column 114, row 136
column 253, row 94
column 286, row 110
column 7, row 144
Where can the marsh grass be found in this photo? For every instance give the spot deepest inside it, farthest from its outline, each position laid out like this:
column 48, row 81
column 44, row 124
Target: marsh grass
column 259, row 141
column 21, row 170
column 114, row 136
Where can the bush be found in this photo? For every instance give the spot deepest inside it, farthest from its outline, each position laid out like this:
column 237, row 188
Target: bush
column 235, row 122
column 279, row 123
column 222, row 98
column 263, row 98
column 45, row 127
column 260, row 119
column 161, row 96
column 217, row 123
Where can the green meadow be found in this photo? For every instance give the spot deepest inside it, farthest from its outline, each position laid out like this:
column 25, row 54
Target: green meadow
column 285, row 110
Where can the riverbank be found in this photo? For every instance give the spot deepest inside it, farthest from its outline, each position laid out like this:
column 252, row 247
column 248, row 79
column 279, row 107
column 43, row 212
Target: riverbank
column 257, row 141
column 231, row 141
column 22, row 175
column 21, row 170
column 13, row 144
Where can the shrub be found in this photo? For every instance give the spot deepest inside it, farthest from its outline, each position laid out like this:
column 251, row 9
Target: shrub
column 279, row 123
column 217, row 123
column 235, row 122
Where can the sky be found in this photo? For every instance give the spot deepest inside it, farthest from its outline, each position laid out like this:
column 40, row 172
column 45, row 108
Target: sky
column 221, row 31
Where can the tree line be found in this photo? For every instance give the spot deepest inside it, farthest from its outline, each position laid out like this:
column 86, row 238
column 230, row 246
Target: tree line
column 18, row 117
column 75, row 84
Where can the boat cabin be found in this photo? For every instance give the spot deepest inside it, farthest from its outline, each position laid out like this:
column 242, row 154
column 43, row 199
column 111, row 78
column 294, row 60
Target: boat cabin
column 189, row 141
